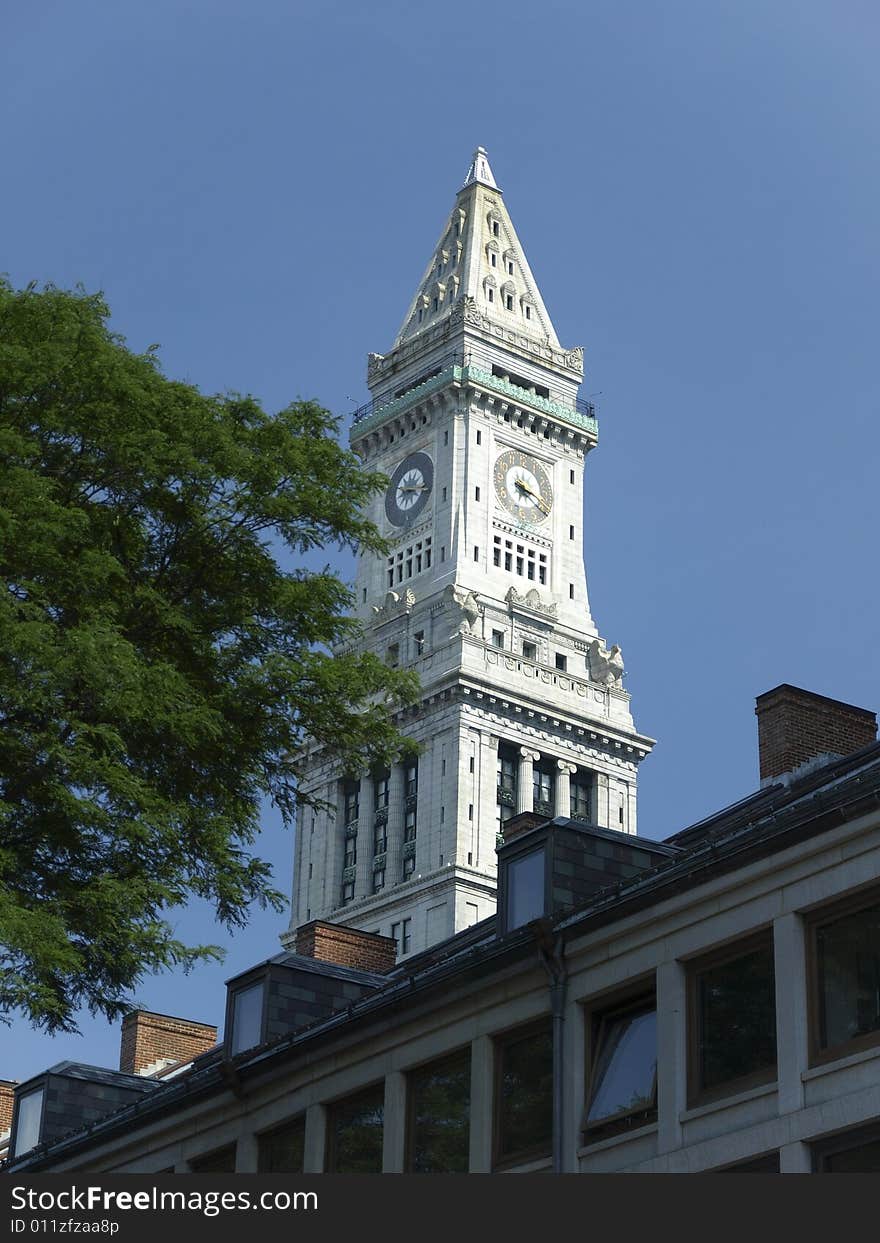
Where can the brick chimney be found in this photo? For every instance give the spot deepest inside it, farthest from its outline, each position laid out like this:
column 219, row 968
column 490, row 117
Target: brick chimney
column 796, row 727
column 7, row 1104
column 347, row 947
column 150, row 1041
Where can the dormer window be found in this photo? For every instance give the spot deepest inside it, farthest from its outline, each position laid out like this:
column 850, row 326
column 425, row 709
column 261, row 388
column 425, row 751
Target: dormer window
column 490, row 294
column 247, row 1018
column 28, row 1123
column 435, row 303
column 493, row 259
column 528, row 311
column 496, row 228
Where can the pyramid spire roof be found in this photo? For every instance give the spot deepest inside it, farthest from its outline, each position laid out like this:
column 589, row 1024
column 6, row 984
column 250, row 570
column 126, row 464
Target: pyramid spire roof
column 478, row 257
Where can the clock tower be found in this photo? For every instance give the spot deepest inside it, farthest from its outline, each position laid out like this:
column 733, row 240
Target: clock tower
column 476, row 420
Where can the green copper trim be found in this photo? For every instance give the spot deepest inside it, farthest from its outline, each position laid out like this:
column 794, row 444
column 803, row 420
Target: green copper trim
column 485, row 379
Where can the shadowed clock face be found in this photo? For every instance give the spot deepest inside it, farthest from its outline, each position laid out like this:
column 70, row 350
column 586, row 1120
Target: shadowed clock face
column 409, row 489
column 523, row 486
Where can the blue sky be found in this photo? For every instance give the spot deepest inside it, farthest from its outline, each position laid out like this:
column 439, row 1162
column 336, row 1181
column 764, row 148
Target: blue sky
column 257, row 187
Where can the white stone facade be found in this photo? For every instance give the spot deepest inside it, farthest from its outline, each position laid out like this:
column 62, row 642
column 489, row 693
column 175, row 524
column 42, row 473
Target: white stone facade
column 483, row 593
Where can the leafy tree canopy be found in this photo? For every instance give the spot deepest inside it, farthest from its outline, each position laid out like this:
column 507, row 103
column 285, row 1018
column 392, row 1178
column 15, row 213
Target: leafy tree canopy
column 159, row 670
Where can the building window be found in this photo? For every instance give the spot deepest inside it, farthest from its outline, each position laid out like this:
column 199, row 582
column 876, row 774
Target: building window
column 408, row 562
column 476, row 494
column 542, row 789
column 381, row 787
column 349, row 858
column 731, row 1020
column 622, row 1091
column 561, row 662
column 479, row 437
column 409, row 827
column 571, row 591
column 438, row 1135
column 524, row 897
column 530, row 651
column 571, row 532
column 844, row 977
column 247, row 1018
column 409, row 867
column 581, row 792
column 496, row 228
column 412, row 780
column 380, row 840
column 419, row 639
column 853, row 1152
column 378, row 880
column 355, row 1133
column 490, row 294
column 347, row 891
column 281, row 1150
column 476, row 552
column 400, row 934
column 351, row 796
column 221, row 1161
column 28, row 1121
column 524, row 1096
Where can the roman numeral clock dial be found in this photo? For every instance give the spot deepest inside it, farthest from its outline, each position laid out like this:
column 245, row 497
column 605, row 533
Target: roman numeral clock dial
column 523, row 487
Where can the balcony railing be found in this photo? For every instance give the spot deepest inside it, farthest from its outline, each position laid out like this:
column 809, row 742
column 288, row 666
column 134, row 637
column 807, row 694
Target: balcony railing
column 460, row 367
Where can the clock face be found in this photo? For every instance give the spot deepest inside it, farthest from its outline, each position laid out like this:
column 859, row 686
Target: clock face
column 523, row 486
column 409, row 489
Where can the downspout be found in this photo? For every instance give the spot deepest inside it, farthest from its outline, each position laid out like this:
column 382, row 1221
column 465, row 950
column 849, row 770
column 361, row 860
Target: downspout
column 552, row 954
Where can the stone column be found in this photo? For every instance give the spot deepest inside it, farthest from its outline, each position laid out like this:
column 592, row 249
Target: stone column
column 316, row 1140
column 791, row 1010
column 482, row 1118
column 246, row 1153
column 602, row 812
column 394, row 1123
column 335, row 850
column 363, row 885
column 795, row 1159
column 525, row 793
column 394, row 849
column 671, row 1054
column 565, row 772
column 487, row 799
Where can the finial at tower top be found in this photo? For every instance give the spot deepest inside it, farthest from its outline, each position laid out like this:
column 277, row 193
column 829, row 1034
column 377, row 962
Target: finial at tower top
column 480, row 170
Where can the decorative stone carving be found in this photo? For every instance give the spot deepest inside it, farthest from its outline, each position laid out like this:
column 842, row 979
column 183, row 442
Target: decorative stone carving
column 467, row 602
column 531, row 600
column 606, row 667
column 396, row 604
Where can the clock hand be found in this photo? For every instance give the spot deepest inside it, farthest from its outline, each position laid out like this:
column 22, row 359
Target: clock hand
column 524, row 487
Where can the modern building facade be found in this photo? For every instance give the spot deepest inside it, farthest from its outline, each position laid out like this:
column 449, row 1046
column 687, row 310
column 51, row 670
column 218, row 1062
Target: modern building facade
column 475, row 417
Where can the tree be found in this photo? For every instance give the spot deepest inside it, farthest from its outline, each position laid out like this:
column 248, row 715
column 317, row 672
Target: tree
column 159, row 669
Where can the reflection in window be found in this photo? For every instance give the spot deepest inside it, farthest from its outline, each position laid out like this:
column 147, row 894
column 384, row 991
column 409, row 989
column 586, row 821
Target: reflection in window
column 281, row 1151
column 624, row 1077
column 525, row 889
column 525, row 1096
column 247, row 1018
column 440, row 1097
column 847, row 953
column 27, row 1126
column 734, row 1017
column 354, row 1134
